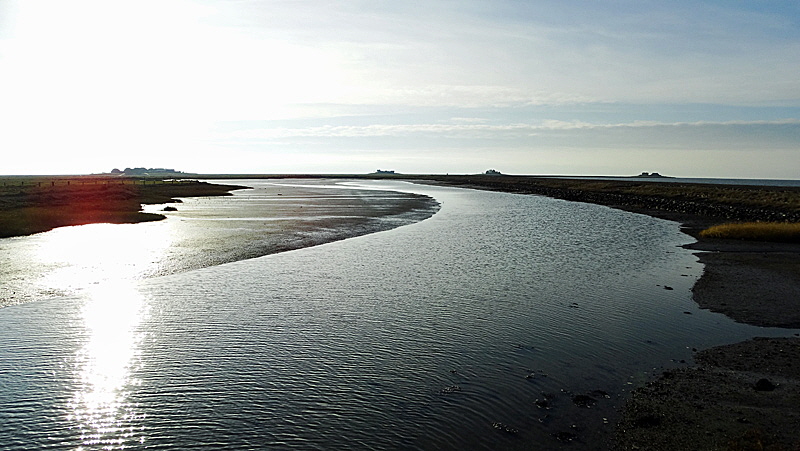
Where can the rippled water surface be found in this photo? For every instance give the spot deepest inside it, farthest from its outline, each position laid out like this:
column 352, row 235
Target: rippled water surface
column 473, row 329
column 274, row 216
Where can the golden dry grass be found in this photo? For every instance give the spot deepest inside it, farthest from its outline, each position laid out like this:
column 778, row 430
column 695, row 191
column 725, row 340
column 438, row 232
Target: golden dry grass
column 782, row 232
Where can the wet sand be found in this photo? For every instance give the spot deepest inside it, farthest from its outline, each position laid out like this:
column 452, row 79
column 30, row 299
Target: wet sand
column 718, row 403
column 211, row 230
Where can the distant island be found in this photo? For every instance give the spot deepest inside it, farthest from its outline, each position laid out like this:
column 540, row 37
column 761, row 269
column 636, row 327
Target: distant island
column 653, row 175
column 146, row 171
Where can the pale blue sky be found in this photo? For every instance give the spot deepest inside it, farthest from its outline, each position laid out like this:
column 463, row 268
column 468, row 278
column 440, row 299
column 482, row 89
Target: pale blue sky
column 685, row 88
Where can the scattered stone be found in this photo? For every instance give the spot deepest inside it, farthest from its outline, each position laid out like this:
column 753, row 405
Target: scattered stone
column 169, row 208
column 542, row 404
column 687, row 313
column 585, row 401
column 544, row 418
column 666, row 287
column 600, row 394
column 504, row 427
column 764, row 385
column 564, row 436
column 450, row 389
column 533, row 374
column 748, row 386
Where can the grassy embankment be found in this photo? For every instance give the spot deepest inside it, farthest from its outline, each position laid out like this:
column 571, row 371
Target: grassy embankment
column 30, row 204
column 780, row 232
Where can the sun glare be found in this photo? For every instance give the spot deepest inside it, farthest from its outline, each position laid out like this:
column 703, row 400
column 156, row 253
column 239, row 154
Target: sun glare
column 101, row 253
column 101, row 263
column 100, row 407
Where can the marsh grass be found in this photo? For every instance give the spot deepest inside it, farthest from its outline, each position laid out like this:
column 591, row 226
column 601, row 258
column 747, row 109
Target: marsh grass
column 782, row 232
column 31, row 204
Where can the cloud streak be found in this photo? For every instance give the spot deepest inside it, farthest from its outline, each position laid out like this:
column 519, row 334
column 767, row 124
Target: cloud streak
column 487, row 130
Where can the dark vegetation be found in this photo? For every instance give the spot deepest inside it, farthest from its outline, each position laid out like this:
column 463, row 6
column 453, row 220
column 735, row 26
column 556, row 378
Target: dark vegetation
column 723, row 202
column 30, row 204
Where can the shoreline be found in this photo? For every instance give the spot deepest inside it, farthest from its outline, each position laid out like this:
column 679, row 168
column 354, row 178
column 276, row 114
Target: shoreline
column 30, row 205
column 735, row 397
column 711, row 405
column 280, row 227
column 736, row 272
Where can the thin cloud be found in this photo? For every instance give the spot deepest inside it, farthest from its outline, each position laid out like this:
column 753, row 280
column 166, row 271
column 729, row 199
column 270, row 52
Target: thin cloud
column 475, row 126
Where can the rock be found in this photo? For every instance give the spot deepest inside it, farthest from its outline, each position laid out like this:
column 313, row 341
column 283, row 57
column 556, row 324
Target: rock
column 169, row 208
column 564, row 436
column 764, row 385
column 600, row 394
column 542, row 404
column 504, row 427
column 450, row 389
column 584, row 401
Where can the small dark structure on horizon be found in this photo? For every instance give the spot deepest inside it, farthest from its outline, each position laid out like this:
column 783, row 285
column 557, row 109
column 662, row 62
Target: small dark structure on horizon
column 493, row 172
column 650, row 174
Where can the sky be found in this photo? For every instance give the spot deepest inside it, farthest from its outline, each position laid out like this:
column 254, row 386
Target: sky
column 688, row 88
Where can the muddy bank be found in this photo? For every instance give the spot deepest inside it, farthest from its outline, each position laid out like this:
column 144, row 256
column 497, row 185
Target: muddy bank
column 752, row 283
column 743, row 396
column 737, row 397
column 758, row 288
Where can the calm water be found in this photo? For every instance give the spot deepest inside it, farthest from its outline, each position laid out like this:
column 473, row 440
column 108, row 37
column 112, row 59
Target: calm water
column 441, row 334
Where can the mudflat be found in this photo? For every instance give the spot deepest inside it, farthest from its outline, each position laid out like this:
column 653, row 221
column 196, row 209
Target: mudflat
column 31, row 204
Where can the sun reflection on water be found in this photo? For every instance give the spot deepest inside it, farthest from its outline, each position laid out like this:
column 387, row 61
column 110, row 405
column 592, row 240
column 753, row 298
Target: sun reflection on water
column 101, row 408
column 96, row 253
column 102, row 263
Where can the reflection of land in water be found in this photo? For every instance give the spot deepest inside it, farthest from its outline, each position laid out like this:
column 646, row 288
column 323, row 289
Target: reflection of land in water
column 204, row 231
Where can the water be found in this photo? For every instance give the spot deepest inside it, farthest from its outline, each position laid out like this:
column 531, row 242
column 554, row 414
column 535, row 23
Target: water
column 205, row 231
column 438, row 335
